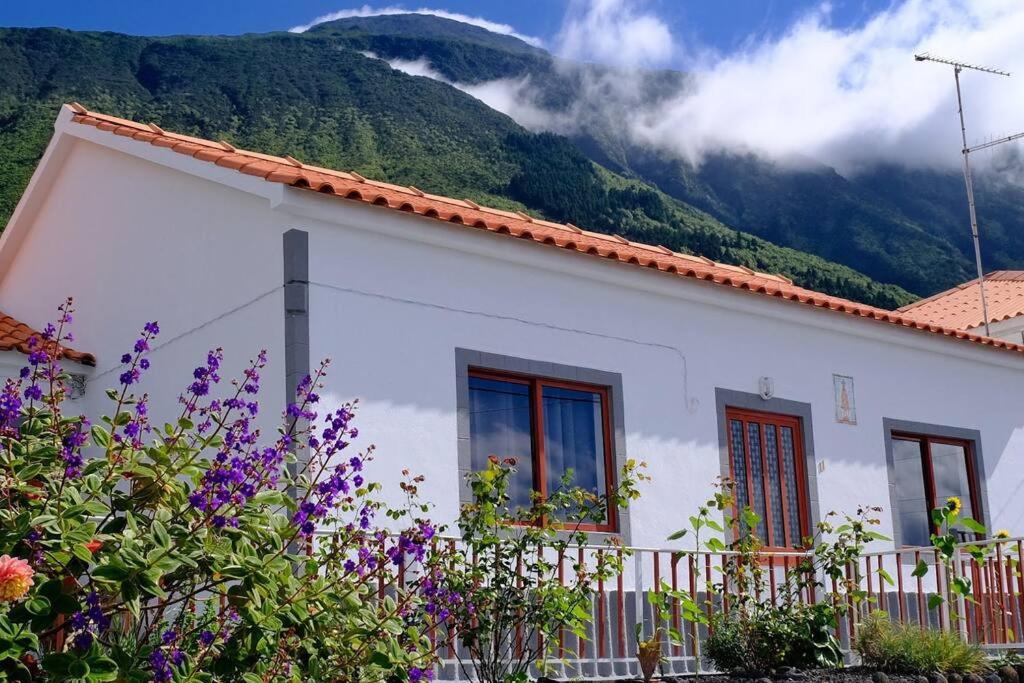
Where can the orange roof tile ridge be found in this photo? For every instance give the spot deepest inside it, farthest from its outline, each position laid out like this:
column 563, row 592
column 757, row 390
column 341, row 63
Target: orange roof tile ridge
column 722, row 274
column 15, row 336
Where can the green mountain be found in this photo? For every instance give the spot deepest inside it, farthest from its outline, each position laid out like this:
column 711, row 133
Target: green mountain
column 318, row 97
column 902, row 226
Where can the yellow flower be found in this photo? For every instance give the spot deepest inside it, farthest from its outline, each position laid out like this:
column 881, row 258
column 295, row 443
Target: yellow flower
column 954, row 505
column 1003, row 533
column 15, row 578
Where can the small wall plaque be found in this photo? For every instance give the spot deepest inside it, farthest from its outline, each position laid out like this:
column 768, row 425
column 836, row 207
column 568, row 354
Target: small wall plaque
column 846, row 403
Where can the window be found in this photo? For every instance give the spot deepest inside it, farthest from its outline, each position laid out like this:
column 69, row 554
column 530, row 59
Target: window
column 549, row 427
column 767, row 466
column 929, row 470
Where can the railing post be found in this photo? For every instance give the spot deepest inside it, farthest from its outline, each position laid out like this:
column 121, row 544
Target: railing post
column 638, row 591
column 943, row 586
column 961, row 604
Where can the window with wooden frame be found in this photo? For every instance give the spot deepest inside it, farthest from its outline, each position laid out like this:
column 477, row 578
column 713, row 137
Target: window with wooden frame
column 929, row 470
column 766, row 460
column 550, row 427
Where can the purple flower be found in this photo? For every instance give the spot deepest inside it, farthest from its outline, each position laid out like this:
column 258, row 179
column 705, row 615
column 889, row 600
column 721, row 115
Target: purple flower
column 126, row 358
column 10, row 406
column 417, row 675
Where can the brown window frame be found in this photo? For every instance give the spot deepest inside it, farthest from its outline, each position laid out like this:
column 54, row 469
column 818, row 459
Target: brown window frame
column 926, row 441
column 747, row 416
column 536, row 384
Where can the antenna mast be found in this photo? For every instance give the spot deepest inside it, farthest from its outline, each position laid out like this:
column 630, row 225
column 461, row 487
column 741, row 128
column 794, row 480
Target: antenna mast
column 966, row 152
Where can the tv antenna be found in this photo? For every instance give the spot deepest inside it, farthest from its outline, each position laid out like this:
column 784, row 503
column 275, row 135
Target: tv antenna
column 966, row 152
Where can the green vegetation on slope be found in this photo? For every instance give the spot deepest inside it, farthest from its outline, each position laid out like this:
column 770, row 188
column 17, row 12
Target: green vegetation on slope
column 902, row 226
column 316, row 98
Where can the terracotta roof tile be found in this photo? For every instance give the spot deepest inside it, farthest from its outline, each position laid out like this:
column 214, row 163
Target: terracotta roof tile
column 352, row 186
column 960, row 307
column 14, row 336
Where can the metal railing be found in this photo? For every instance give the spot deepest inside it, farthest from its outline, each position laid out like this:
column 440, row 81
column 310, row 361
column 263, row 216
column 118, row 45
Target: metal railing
column 992, row 616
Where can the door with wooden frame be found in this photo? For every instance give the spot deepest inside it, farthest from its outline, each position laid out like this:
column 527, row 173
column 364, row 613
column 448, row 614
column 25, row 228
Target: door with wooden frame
column 766, row 460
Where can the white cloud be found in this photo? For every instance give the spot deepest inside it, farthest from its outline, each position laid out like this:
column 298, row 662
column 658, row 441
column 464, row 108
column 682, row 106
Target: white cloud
column 847, row 97
column 852, row 97
column 514, row 97
column 413, row 67
column 614, row 32
column 368, row 11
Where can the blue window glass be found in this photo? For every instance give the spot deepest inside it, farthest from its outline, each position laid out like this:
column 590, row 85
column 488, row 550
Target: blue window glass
column 500, row 425
column 574, row 439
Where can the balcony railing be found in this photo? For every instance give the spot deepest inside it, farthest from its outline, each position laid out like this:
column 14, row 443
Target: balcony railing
column 993, row 617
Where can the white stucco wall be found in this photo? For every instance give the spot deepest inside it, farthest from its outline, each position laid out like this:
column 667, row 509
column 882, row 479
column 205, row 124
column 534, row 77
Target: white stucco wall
column 393, row 295
column 391, row 309
column 132, row 242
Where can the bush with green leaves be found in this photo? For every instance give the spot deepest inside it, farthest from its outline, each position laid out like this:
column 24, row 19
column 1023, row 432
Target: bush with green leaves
column 766, row 637
column 193, row 550
column 751, row 634
column 518, row 580
column 911, row 649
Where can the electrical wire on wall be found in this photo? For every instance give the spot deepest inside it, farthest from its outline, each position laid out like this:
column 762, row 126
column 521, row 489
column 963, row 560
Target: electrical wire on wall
column 691, row 404
column 164, row 343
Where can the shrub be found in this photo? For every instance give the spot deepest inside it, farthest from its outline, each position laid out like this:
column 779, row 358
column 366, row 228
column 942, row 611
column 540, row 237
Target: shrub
column 133, row 551
column 511, row 567
column 909, row 649
column 767, row 637
column 752, row 635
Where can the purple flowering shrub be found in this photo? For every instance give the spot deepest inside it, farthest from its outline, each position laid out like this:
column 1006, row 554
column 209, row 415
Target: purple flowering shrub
column 527, row 574
column 202, row 549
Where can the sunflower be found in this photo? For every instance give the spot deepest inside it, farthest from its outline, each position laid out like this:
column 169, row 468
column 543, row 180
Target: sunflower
column 954, row 505
column 1003, row 533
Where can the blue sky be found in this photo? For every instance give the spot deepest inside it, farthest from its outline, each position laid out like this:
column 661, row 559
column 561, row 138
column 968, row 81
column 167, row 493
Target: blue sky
column 719, row 24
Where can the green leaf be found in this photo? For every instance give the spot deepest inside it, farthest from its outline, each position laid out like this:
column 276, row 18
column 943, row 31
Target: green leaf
column 110, row 573
column 38, row 605
column 160, row 535
column 677, row 535
column 381, row 659
column 973, row 525
column 81, row 552
column 921, row 569
column 100, row 436
column 934, row 601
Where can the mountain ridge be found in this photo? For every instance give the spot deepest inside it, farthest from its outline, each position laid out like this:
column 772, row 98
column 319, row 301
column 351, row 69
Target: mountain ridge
column 901, row 225
column 319, row 99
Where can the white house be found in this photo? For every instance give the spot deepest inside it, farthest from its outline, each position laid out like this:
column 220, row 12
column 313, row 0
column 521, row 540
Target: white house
column 961, row 307
column 466, row 331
